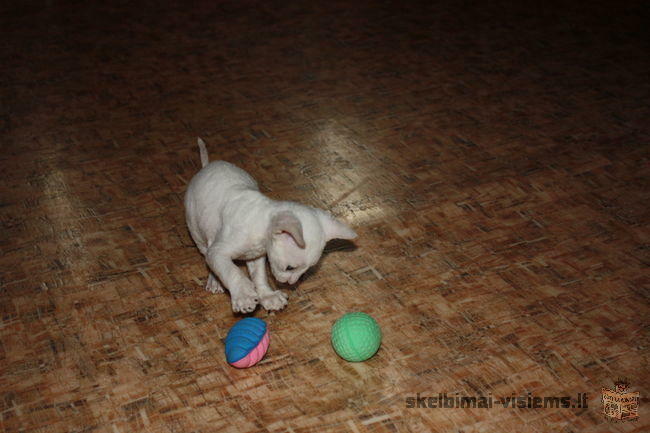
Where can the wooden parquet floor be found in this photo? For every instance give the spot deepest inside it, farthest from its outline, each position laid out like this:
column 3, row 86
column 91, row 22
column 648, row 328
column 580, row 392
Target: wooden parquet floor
column 493, row 160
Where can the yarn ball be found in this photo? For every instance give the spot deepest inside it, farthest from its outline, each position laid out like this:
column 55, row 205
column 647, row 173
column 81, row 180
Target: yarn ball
column 356, row 337
column 247, row 342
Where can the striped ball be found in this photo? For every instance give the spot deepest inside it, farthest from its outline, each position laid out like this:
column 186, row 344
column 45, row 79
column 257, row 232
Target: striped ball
column 247, row 342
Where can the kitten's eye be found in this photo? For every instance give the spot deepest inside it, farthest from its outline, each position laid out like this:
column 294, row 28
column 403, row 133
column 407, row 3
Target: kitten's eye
column 290, row 268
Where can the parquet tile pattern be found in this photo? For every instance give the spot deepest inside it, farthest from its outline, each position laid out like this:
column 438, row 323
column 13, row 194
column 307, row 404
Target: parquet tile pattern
column 493, row 160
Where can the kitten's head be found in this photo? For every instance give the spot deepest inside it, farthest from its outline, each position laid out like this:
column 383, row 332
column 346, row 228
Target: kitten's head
column 297, row 238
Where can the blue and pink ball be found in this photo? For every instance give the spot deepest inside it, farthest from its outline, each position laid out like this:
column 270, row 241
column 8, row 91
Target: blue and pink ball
column 247, row 342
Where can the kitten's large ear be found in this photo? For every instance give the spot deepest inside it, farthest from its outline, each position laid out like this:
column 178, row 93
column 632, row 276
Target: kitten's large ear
column 335, row 229
column 287, row 222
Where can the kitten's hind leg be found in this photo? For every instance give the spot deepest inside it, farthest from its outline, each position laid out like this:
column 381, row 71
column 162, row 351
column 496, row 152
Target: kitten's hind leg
column 269, row 298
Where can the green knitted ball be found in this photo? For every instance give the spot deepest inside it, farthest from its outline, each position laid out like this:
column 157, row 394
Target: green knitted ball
column 356, row 337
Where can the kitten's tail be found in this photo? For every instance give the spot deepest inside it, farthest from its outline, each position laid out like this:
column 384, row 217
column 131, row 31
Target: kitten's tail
column 203, row 151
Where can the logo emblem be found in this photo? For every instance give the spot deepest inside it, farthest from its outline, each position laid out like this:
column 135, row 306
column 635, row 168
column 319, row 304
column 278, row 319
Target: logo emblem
column 619, row 404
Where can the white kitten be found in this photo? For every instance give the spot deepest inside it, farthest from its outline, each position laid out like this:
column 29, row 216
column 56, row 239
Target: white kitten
column 229, row 218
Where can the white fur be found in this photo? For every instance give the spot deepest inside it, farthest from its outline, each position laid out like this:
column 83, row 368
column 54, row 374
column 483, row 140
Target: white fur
column 229, row 218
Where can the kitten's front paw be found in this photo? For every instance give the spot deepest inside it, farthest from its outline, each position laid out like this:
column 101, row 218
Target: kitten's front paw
column 276, row 300
column 213, row 285
column 245, row 300
column 244, row 304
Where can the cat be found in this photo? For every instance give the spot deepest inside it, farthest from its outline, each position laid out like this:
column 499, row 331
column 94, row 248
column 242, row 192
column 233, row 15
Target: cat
column 229, row 219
